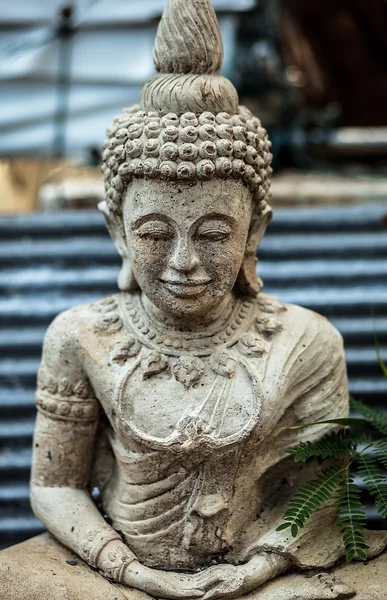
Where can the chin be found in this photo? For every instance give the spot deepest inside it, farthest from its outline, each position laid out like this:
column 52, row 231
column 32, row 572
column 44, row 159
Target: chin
column 181, row 304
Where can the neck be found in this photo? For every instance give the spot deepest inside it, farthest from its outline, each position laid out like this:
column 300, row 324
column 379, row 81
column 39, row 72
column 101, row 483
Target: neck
column 189, row 322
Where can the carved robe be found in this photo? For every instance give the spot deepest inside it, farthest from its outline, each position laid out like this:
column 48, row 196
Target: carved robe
column 189, row 452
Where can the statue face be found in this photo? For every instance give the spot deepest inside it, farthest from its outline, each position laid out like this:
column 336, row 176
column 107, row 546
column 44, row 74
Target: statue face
column 186, row 242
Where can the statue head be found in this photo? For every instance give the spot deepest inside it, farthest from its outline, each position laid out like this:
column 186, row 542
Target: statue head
column 187, row 173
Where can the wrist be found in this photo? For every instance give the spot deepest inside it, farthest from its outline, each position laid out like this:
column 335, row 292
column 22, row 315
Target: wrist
column 135, row 574
column 273, row 559
column 95, row 542
column 115, row 559
column 278, row 561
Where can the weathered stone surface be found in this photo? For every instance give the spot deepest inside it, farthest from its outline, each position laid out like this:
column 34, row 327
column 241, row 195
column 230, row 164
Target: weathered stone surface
column 43, row 568
column 175, row 398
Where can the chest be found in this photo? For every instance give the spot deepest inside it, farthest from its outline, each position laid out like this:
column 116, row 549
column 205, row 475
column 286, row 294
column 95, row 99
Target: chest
column 163, row 410
column 171, row 391
column 182, row 402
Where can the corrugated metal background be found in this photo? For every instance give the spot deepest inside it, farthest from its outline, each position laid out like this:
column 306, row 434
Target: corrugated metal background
column 59, row 91
column 333, row 260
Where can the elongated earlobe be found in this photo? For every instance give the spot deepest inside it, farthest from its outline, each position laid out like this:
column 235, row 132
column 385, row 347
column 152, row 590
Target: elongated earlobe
column 248, row 281
column 126, row 280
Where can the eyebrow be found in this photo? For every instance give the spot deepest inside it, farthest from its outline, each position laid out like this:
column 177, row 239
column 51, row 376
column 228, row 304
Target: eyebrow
column 150, row 217
column 216, row 215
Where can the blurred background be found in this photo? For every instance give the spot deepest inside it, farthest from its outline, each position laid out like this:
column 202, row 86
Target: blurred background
column 316, row 75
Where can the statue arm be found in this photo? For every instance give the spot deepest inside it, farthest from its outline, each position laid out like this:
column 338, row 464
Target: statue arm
column 62, row 456
column 317, row 390
column 63, row 449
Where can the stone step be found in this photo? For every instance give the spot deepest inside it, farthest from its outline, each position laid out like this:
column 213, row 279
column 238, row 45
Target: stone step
column 18, row 374
column 362, row 330
column 17, row 401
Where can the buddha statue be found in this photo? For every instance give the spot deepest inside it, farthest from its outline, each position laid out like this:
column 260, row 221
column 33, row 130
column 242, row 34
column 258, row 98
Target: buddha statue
column 164, row 410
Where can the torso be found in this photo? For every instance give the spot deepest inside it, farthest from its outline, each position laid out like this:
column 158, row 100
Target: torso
column 184, row 416
column 180, row 408
column 193, row 425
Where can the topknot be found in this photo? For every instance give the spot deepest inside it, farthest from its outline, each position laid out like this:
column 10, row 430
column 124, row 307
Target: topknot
column 199, row 49
column 188, row 56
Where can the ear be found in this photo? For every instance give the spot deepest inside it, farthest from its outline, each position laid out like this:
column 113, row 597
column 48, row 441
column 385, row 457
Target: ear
column 126, row 279
column 248, row 281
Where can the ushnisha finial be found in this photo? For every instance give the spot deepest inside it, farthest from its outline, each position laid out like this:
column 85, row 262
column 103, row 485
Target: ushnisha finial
column 188, row 55
column 188, row 39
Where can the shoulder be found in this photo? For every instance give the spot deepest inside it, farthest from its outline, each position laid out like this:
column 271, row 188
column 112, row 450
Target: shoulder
column 78, row 329
column 62, row 372
column 296, row 321
column 305, row 359
column 71, row 325
column 317, row 329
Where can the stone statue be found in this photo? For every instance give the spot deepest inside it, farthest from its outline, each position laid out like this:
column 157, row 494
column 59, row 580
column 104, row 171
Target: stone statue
column 164, row 411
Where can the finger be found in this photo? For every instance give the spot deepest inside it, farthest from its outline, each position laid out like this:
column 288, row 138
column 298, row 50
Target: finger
column 214, row 573
column 213, row 594
column 191, row 594
column 207, row 581
column 172, row 593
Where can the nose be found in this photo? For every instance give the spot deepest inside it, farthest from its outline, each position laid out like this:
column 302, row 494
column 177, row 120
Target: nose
column 184, row 257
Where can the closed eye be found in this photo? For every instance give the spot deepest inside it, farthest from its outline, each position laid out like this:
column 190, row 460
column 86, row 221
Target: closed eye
column 214, row 235
column 154, row 231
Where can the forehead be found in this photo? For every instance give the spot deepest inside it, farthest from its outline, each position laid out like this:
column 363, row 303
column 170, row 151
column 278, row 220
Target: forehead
column 183, row 201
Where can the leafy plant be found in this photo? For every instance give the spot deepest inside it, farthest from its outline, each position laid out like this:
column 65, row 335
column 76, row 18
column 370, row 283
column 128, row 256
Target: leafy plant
column 360, row 447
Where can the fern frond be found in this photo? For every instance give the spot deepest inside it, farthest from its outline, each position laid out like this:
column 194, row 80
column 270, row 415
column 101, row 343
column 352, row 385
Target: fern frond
column 351, row 518
column 380, row 447
column 375, row 480
column 309, row 498
column 376, row 418
column 334, row 445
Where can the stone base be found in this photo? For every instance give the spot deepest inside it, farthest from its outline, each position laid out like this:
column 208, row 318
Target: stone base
column 357, row 580
column 43, row 569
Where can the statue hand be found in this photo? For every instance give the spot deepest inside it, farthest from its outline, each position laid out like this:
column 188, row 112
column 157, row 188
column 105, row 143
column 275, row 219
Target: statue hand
column 227, row 582
column 162, row 584
column 221, row 581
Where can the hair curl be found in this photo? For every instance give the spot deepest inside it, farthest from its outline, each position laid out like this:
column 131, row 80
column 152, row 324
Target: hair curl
column 171, row 147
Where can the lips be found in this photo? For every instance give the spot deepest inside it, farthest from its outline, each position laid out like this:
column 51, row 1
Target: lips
column 185, row 289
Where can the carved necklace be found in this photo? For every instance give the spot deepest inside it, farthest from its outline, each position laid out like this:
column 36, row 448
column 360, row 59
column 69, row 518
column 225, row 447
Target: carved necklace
column 171, row 342
column 156, row 349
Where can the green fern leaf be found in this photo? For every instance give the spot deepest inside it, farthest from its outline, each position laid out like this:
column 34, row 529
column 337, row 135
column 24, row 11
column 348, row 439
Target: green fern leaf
column 351, row 518
column 380, row 447
column 376, row 418
column 375, row 480
column 334, row 445
column 309, row 498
